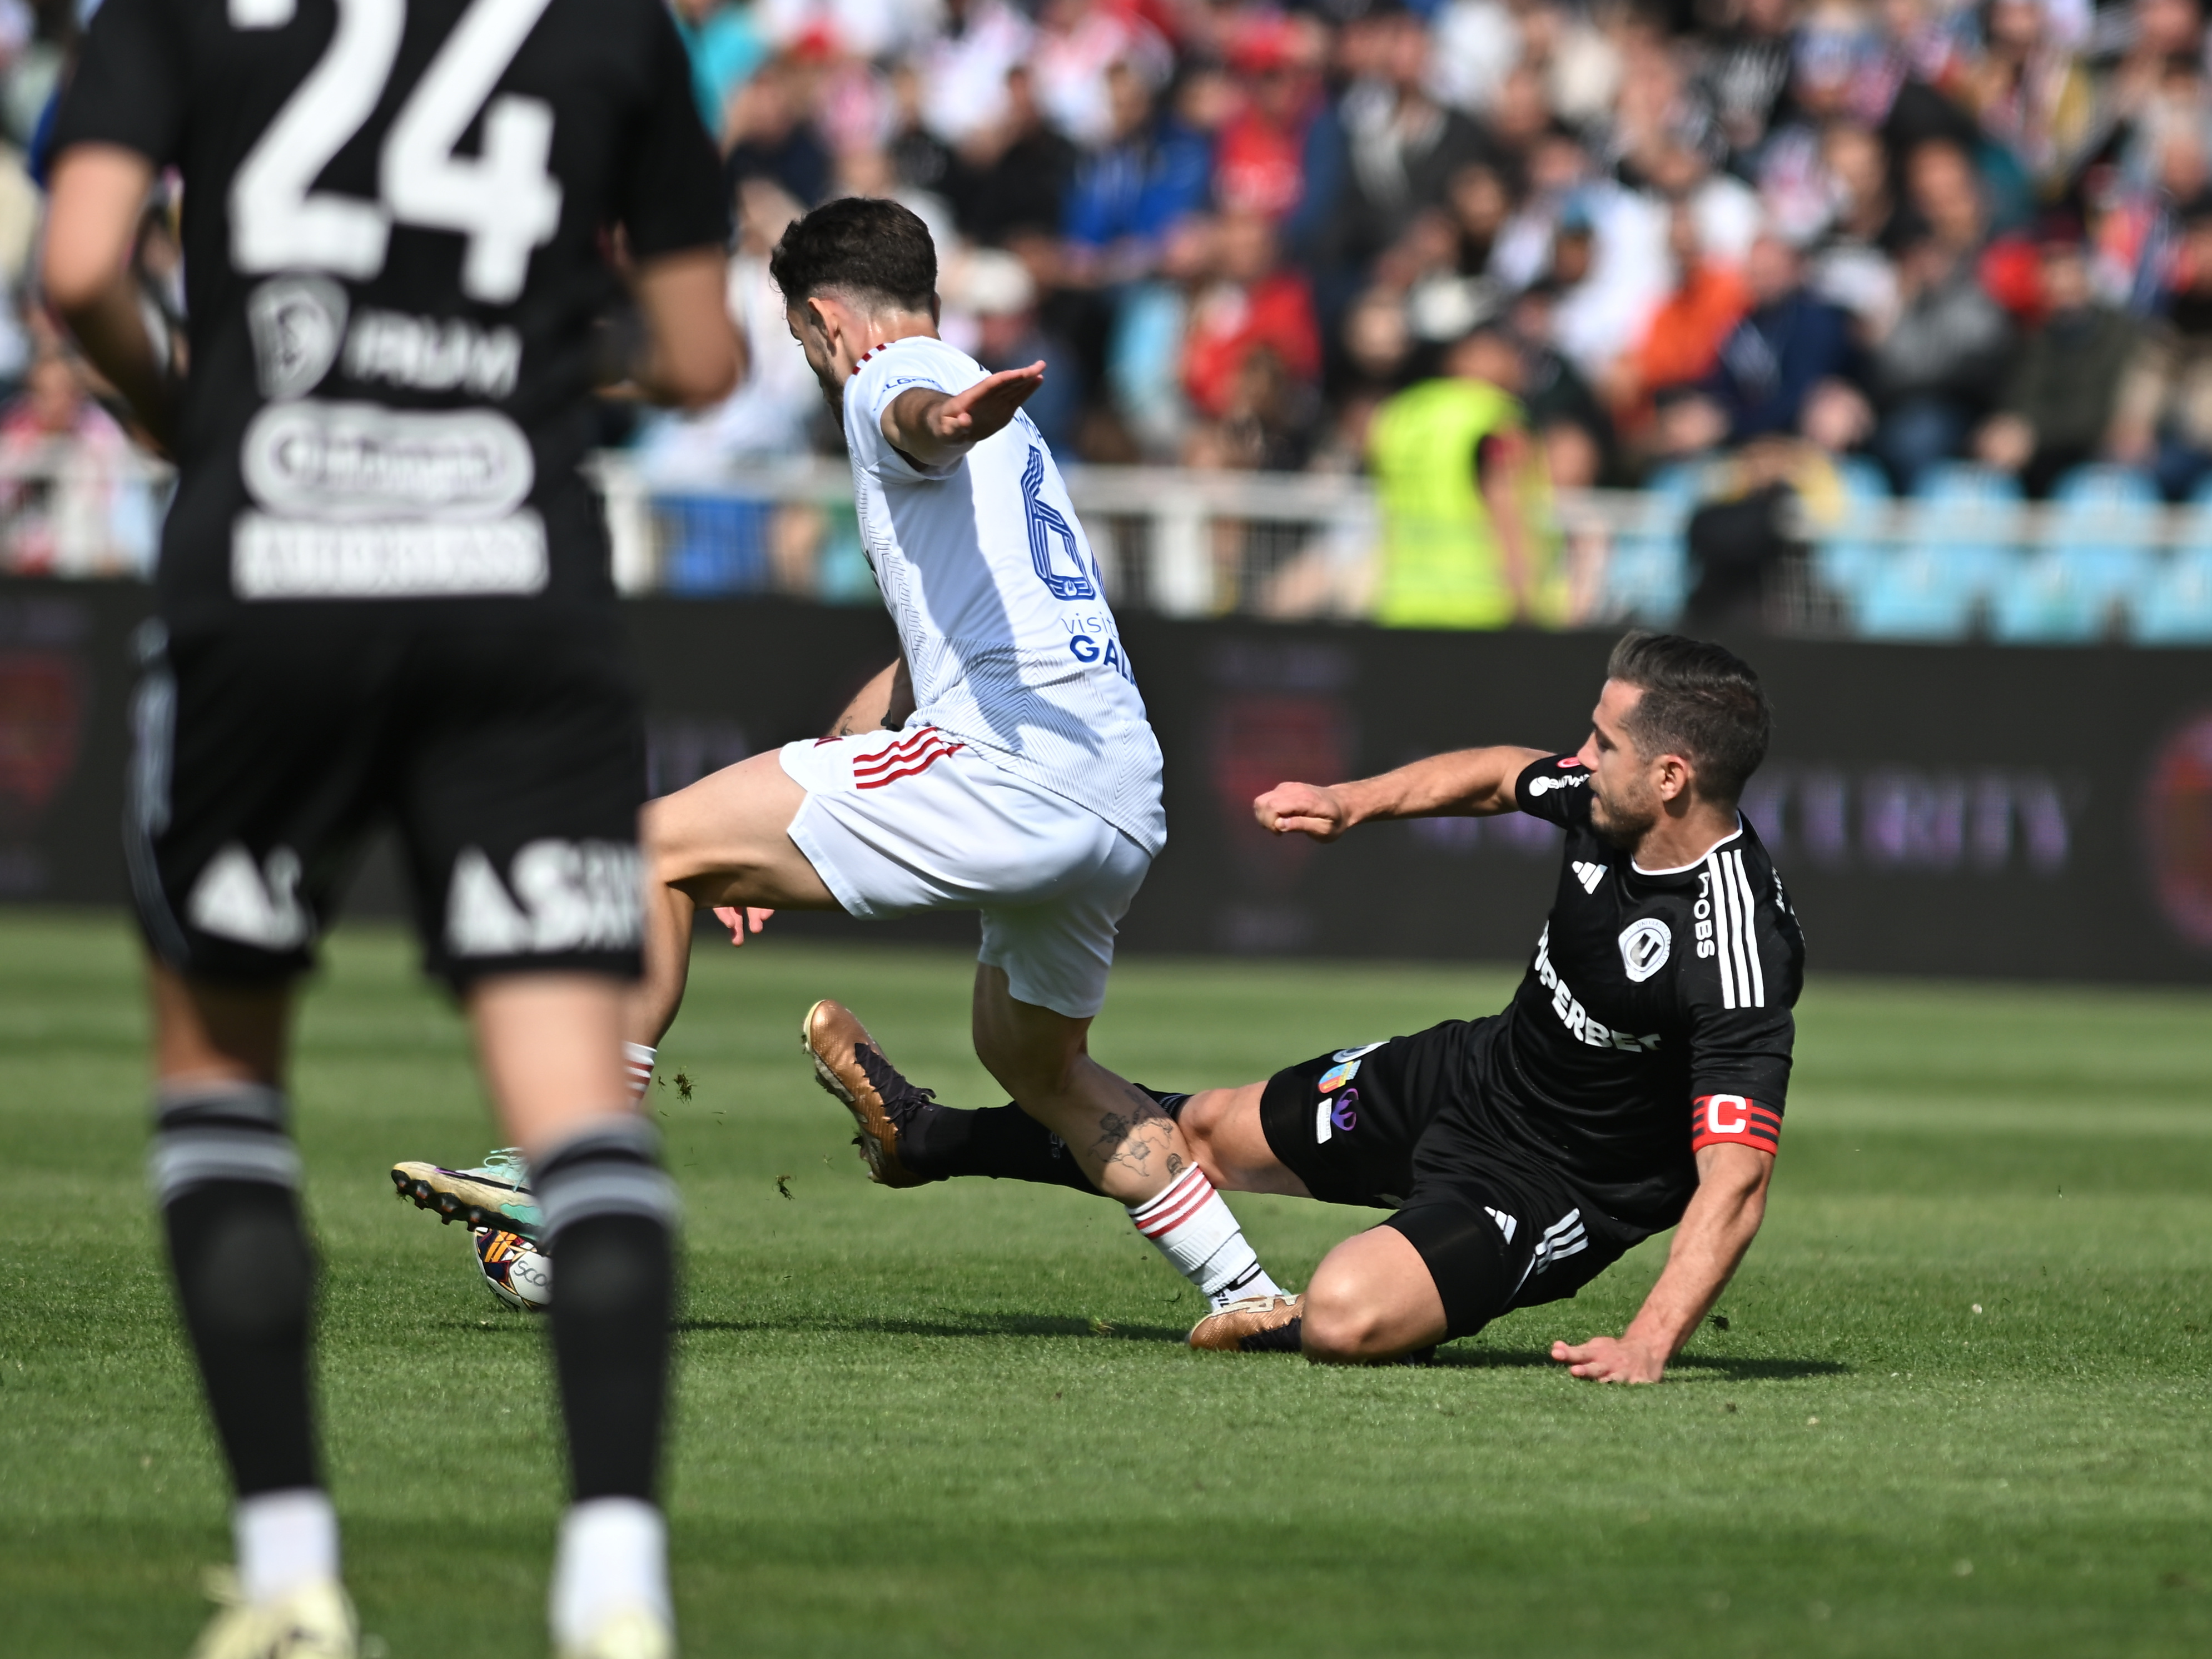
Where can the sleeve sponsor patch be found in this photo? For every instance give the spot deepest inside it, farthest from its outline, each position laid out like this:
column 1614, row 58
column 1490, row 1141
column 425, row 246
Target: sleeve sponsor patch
column 1736, row 1120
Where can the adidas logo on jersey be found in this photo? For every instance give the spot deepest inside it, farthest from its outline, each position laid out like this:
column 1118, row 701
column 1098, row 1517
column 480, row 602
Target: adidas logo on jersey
column 1589, row 875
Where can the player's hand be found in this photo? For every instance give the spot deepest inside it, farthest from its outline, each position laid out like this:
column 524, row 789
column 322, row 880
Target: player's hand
column 970, row 416
column 739, row 920
column 1611, row 1359
column 1303, row 809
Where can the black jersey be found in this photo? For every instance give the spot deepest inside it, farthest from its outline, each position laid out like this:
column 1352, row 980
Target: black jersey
column 397, row 217
column 1654, row 1018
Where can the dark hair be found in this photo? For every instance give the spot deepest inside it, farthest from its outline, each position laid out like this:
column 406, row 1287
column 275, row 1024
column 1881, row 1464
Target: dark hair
column 876, row 250
column 1701, row 702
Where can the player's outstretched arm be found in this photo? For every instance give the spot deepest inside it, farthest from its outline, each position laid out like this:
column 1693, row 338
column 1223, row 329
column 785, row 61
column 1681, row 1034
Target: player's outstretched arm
column 1717, row 1229
column 92, row 226
column 1466, row 783
column 937, row 429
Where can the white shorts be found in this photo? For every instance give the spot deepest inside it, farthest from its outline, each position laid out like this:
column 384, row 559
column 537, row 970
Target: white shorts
column 900, row 822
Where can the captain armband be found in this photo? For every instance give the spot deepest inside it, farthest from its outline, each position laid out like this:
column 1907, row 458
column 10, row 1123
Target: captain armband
column 1733, row 1121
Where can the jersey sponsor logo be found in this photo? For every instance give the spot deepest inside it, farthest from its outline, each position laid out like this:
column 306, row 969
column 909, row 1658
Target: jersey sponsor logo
column 502, row 198
column 1572, row 1015
column 1736, row 1119
column 431, row 354
column 296, row 324
column 567, row 896
column 1588, row 874
column 353, row 461
column 1645, row 945
column 1047, row 524
column 1336, row 1112
column 233, row 899
column 1545, row 786
column 273, row 558
column 1337, row 1075
column 1723, row 915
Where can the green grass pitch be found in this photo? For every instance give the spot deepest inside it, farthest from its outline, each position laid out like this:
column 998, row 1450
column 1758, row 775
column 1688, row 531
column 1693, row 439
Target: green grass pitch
column 1960, row 1404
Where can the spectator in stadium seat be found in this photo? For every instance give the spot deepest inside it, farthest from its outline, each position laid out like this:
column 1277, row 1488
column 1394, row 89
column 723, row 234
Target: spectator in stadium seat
column 770, row 133
column 1012, row 175
column 2164, row 421
column 962, row 71
column 1460, row 487
column 1680, row 345
column 1254, row 303
column 997, row 293
column 1944, row 188
column 1154, row 172
column 1403, row 146
column 1790, row 347
column 725, row 48
column 2057, row 408
column 1581, row 448
column 1936, row 366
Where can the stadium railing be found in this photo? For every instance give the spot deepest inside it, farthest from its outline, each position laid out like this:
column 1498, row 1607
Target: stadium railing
column 2103, row 560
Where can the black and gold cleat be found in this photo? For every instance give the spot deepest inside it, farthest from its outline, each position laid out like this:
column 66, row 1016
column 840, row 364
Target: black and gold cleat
column 849, row 1064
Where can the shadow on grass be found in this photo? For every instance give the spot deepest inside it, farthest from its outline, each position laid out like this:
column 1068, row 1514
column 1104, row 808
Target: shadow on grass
column 962, row 1325
column 1725, row 1369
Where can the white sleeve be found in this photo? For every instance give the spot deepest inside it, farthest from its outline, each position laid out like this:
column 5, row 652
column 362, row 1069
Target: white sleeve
column 873, row 390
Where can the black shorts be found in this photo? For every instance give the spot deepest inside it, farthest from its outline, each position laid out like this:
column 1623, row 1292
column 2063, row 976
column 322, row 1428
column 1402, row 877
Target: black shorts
column 1397, row 1125
column 507, row 750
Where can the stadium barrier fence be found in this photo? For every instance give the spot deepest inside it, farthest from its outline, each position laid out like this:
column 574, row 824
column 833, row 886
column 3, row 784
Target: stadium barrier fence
column 2020, row 812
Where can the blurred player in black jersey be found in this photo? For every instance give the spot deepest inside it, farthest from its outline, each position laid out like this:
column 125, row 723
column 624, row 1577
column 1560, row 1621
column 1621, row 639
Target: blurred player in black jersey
column 383, row 595
column 1636, row 1082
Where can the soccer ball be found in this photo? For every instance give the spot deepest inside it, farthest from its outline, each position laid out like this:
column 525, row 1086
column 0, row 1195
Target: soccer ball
column 518, row 1272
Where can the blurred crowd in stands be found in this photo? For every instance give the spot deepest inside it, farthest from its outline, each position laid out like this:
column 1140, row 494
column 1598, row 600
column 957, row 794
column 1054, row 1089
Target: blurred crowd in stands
column 1913, row 229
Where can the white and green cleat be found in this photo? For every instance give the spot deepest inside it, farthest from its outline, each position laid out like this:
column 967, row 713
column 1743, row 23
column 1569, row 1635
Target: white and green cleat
column 494, row 1195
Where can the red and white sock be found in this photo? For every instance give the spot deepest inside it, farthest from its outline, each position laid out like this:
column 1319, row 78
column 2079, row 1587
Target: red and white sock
column 1195, row 1230
column 637, row 1062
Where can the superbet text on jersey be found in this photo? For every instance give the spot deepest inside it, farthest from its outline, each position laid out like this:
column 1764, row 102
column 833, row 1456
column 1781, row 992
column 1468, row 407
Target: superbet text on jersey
column 1658, row 1001
column 395, row 215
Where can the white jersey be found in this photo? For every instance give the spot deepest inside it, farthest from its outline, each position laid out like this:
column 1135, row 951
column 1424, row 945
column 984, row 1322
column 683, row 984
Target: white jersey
column 999, row 603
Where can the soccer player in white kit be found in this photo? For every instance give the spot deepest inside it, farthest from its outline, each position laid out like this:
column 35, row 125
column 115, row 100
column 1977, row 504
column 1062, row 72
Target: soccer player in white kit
column 1003, row 764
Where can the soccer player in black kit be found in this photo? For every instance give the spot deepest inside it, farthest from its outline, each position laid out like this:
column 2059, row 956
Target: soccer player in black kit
column 1635, row 1082
column 383, row 595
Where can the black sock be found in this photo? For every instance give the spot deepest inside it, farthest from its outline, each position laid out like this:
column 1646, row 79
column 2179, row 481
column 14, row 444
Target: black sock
column 225, row 1172
column 1003, row 1142
column 609, row 1211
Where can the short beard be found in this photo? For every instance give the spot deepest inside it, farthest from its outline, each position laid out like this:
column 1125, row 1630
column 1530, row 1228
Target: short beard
column 1622, row 828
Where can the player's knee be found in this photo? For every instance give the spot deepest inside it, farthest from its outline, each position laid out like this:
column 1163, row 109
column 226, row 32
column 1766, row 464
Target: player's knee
column 1341, row 1326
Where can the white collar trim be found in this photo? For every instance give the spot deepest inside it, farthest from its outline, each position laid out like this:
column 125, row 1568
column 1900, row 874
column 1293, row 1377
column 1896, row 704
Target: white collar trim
column 1685, row 869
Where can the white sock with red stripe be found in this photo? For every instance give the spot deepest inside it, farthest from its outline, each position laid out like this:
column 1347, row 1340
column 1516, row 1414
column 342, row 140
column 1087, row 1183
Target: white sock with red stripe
column 1198, row 1235
column 637, row 1063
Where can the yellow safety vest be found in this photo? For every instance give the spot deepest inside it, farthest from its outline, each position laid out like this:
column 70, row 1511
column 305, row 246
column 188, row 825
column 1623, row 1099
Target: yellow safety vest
column 1442, row 564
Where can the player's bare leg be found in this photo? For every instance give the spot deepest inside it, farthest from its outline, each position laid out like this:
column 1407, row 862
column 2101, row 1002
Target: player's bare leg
column 1223, row 1129
column 550, row 1048
column 1371, row 1299
column 724, row 841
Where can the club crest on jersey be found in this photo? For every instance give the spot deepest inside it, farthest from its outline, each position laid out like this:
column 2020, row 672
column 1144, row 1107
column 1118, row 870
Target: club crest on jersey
column 297, row 323
column 1645, row 945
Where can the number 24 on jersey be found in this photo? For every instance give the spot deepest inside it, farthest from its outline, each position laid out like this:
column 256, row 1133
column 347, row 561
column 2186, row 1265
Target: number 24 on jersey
column 504, row 200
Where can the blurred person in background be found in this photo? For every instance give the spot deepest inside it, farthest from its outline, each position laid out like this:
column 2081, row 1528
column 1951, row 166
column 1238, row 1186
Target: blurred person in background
column 1680, row 345
column 1460, row 485
column 1581, row 448
column 1403, row 146
column 1013, row 175
column 769, row 133
column 1935, row 364
column 2164, row 420
column 69, row 480
column 1254, row 303
column 2057, row 408
column 1145, row 346
column 963, row 69
column 997, row 298
column 725, row 48
column 1789, row 349
column 1848, row 261
column 1742, row 539
column 1154, row 170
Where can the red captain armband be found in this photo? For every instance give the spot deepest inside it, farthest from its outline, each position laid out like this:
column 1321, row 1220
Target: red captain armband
column 1733, row 1121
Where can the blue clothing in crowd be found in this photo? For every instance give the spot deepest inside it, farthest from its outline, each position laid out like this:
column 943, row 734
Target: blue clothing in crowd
column 1773, row 360
column 1139, row 187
